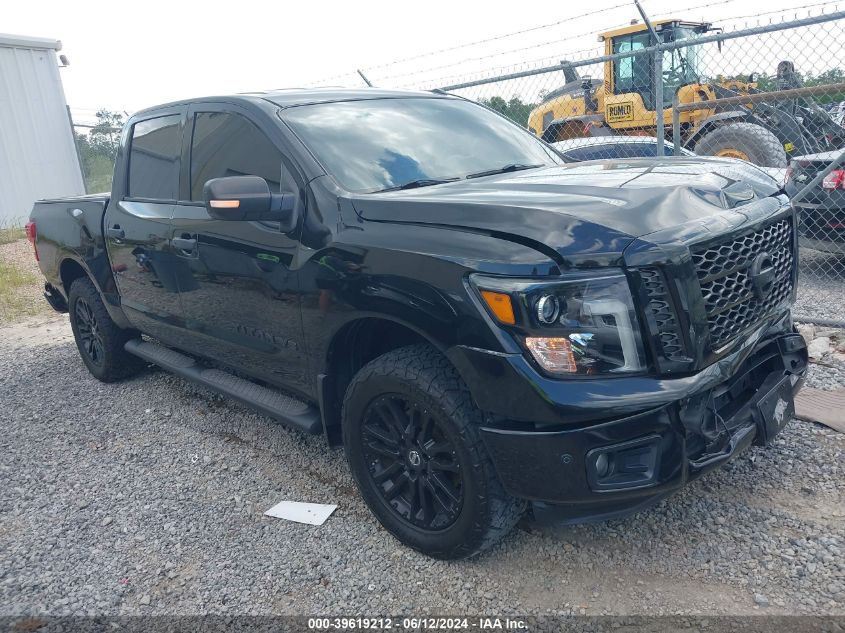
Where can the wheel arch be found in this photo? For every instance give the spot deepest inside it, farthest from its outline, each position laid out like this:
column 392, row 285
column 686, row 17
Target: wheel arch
column 71, row 269
column 352, row 346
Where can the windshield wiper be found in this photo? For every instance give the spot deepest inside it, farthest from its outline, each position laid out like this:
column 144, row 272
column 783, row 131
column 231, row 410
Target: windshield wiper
column 504, row 170
column 422, row 182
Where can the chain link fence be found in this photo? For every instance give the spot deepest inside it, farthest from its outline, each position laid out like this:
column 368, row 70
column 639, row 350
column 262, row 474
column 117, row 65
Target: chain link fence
column 771, row 94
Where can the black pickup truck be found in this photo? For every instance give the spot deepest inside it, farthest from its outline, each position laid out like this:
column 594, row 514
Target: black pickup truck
column 483, row 327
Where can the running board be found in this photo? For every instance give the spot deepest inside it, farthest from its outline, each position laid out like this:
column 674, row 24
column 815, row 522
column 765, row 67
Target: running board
column 274, row 404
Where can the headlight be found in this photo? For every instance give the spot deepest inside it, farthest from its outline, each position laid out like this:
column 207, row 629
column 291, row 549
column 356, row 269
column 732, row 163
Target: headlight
column 583, row 323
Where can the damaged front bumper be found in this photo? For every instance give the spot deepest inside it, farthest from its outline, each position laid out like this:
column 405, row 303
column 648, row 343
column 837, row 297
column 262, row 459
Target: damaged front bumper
column 613, row 461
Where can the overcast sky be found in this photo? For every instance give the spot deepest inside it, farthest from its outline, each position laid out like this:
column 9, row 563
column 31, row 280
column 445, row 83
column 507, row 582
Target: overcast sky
column 126, row 56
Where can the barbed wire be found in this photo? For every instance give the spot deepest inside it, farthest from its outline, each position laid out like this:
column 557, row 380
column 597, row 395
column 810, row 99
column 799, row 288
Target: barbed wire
column 570, row 54
column 500, row 37
column 573, row 55
column 825, row 4
column 483, row 41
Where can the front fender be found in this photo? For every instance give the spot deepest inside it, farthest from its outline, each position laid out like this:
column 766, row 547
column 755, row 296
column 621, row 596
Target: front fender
column 410, row 275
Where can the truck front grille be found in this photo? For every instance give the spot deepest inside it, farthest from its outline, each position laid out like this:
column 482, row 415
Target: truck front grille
column 724, row 274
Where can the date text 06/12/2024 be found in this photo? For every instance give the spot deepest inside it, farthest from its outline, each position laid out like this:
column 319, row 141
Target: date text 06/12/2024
column 417, row 624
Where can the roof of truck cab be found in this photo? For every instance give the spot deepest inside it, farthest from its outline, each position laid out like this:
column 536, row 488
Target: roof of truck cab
column 295, row 97
column 304, row 96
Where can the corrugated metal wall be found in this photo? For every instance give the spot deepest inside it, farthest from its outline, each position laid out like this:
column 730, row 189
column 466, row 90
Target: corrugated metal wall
column 38, row 157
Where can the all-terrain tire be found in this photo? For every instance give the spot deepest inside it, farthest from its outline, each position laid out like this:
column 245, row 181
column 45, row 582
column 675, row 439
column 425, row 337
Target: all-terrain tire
column 420, row 375
column 754, row 141
column 99, row 340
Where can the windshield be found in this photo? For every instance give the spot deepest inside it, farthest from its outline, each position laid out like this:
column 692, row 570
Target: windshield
column 376, row 144
column 635, row 74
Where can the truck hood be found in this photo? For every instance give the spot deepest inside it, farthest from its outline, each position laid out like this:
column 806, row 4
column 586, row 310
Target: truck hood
column 589, row 212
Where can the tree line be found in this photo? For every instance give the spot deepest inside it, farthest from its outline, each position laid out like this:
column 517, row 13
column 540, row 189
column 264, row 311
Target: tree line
column 97, row 150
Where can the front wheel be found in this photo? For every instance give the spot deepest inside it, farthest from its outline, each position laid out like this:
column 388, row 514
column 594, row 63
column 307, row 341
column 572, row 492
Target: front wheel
column 747, row 141
column 411, row 438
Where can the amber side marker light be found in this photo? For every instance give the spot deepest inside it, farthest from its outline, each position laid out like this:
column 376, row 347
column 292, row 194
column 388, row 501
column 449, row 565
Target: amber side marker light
column 500, row 305
column 225, row 204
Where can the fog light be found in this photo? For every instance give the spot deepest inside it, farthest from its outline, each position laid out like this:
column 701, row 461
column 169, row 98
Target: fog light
column 632, row 464
column 602, row 465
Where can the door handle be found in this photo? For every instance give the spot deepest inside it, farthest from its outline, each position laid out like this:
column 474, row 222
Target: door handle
column 116, row 232
column 184, row 244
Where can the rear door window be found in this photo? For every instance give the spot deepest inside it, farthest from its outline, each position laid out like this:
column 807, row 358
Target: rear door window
column 154, row 158
column 228, row 144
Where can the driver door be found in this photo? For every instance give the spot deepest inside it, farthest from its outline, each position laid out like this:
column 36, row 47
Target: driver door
column 242, row 298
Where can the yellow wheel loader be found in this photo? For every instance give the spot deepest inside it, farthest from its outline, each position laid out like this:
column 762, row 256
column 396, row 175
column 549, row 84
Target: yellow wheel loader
column 623, row 102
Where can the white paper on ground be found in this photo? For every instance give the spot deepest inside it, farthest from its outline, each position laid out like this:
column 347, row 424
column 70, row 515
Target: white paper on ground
column 310, row 513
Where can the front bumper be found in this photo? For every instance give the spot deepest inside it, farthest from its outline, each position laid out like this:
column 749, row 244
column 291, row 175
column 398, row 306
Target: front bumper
column 605, row 447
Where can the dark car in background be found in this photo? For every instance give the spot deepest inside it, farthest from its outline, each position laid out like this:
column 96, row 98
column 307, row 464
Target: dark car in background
column 601, row 147
column 821, row 211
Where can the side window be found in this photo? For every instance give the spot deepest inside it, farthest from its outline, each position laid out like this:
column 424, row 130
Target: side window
column 226, row 144
column 154, row 158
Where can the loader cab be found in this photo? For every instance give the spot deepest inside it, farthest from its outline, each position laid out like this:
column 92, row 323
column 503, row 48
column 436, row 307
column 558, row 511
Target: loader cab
column 630, row 98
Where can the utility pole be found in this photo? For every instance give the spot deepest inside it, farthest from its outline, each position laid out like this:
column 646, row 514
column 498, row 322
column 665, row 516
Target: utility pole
column 657, row 82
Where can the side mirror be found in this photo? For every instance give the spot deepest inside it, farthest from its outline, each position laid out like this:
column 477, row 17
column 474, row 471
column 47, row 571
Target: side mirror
column 248, row 198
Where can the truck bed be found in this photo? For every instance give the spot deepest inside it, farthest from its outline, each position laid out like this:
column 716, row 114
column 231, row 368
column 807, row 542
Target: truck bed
column 69, row 240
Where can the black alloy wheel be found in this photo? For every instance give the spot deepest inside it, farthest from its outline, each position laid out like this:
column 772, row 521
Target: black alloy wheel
column 98, row 338
column 90, row 338
column 412, row 437
column 412, row 462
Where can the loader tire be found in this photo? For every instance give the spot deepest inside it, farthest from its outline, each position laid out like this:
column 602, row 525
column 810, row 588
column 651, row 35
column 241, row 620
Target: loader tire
column 747, row 141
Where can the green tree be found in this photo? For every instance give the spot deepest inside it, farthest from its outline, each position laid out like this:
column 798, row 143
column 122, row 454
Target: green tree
column 514, row 108
column 98, row 149
column 830, row 76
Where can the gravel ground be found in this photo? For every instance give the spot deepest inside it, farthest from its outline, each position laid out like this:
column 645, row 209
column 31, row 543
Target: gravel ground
column 821, row 286
column 147, row 497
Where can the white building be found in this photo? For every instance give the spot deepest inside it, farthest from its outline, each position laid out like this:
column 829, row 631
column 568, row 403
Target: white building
column 38, row 156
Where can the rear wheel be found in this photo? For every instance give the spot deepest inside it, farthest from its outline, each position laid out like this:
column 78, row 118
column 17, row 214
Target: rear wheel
column 747, row 141
column 99, row 340
column 411, row 437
